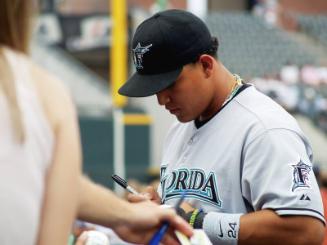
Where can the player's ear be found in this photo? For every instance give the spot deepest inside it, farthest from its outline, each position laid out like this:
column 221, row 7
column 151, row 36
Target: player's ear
column 207, row 62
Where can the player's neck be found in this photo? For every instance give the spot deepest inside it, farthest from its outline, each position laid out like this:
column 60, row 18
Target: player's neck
column 224, row 84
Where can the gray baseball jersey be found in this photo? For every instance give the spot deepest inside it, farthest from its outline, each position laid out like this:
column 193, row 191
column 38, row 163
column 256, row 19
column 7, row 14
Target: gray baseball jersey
column 250, row 156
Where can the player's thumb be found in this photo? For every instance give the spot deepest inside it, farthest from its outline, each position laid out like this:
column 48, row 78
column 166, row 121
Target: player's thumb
column 152, row 194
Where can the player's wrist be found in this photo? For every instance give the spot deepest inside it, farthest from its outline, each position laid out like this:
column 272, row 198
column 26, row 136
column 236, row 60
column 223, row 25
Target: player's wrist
column 194, row 218
column 198, row 223
column 222, row 228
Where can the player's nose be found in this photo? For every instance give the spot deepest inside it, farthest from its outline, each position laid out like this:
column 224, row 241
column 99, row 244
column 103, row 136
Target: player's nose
column 163, row 97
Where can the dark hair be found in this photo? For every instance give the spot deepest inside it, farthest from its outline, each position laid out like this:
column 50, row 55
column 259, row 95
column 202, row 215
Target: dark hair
column 212, row 51
column 15, row 17
column 214, row 47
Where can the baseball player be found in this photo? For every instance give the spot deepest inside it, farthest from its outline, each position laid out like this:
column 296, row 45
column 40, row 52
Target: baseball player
column 243, row 161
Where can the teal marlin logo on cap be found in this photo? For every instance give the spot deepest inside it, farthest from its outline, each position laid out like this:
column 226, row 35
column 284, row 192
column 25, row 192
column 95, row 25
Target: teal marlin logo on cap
column 139, row 51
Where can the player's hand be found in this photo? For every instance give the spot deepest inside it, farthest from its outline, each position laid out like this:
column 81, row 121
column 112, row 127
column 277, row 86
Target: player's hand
column 187, row 207
column 145, row 218
column 149, row 194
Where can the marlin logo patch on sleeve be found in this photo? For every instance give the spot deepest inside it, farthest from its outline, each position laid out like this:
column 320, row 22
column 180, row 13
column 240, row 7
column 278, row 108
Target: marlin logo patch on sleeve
column 195, row 182
column 301, row 173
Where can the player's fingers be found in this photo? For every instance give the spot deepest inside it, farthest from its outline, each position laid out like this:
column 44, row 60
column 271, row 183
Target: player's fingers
column 149, row 189
column 153, row 194
column 187, row 207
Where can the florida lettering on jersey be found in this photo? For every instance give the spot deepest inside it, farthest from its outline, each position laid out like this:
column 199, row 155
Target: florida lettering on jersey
column 194, row 182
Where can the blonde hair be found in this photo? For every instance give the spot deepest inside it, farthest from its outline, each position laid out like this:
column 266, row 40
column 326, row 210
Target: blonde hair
column 15, row 17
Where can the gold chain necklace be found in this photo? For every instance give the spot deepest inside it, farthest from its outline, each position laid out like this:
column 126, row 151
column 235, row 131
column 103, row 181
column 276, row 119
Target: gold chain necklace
column 234, row 89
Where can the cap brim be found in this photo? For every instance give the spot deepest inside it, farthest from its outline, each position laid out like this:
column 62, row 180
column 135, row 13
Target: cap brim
column 141, row 85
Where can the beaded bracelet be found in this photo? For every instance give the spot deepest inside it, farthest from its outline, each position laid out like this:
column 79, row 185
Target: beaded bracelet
column 193, row 216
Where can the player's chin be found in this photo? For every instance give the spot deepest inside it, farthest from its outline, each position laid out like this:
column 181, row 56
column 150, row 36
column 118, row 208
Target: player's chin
column 184, row 118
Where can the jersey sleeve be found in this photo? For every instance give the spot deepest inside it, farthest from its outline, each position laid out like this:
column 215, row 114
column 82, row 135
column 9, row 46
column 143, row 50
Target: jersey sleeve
column 277, row 174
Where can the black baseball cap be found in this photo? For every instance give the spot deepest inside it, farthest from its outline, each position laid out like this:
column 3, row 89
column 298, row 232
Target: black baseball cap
column 161, row 46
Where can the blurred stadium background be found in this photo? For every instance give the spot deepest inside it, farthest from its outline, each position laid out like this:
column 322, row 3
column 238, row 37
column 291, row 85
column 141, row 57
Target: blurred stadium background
column 281, row 46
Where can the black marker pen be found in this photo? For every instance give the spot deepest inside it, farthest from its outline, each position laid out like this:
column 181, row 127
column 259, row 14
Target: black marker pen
column 123, row 183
